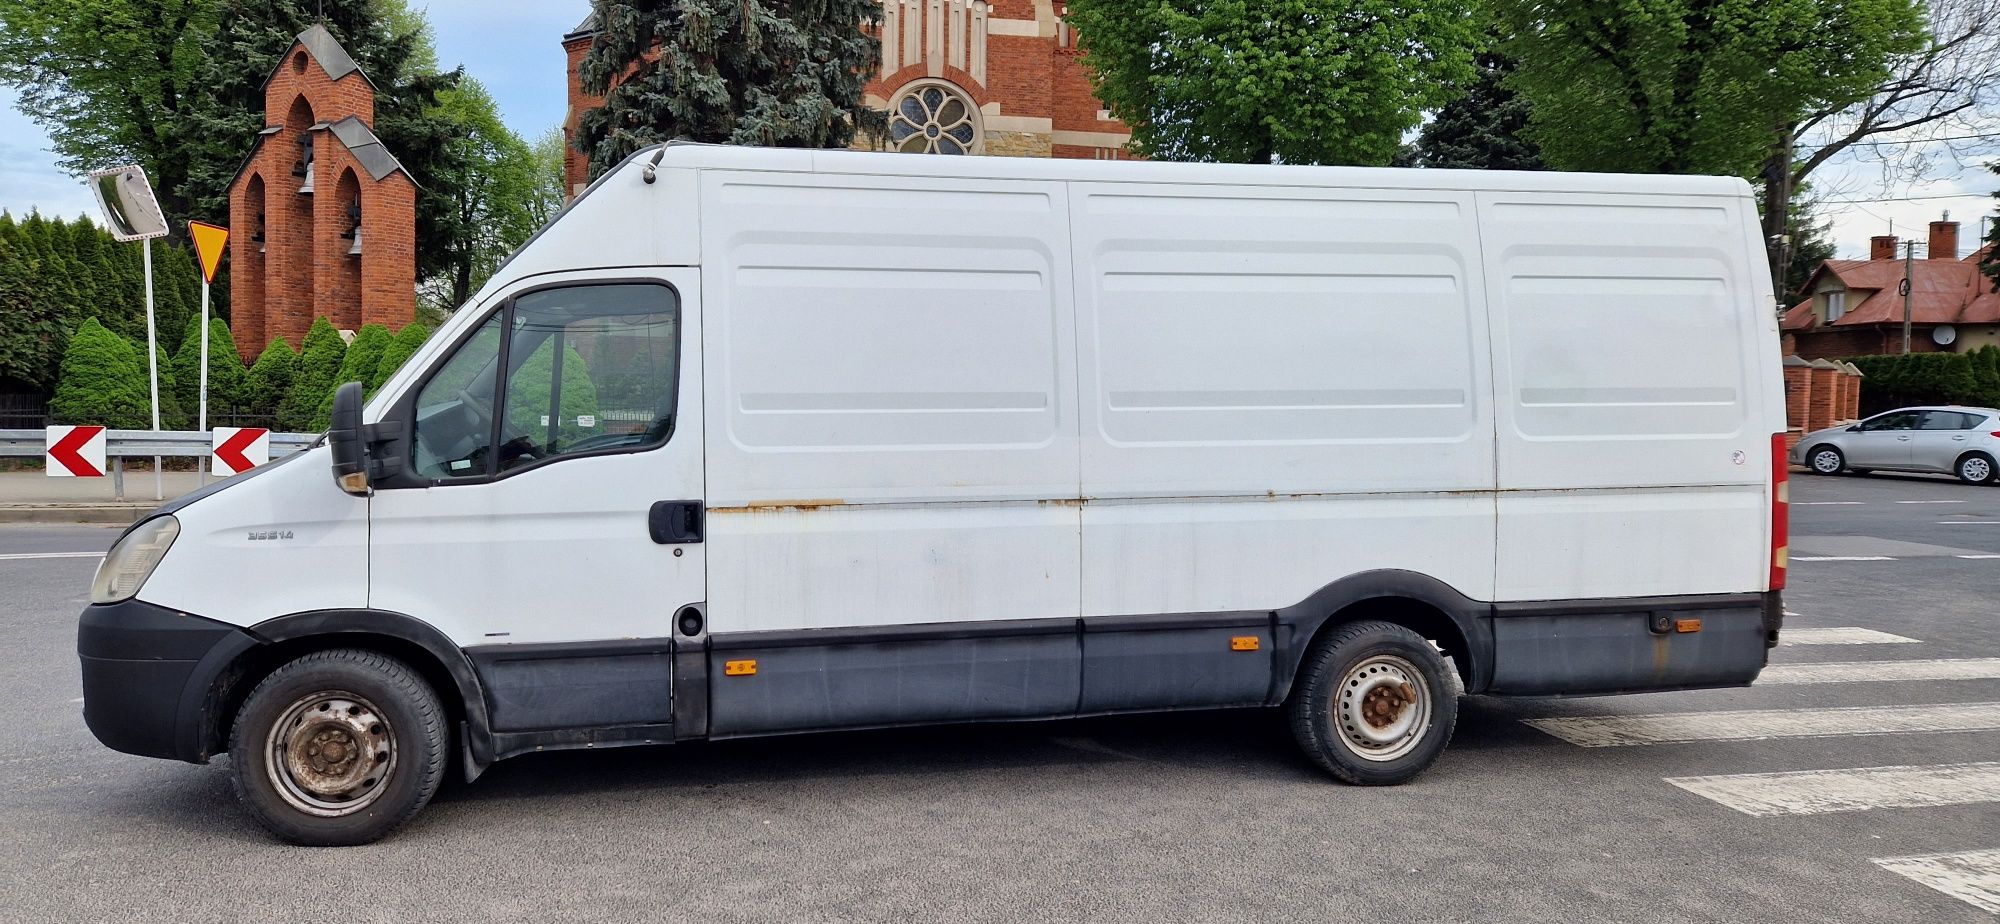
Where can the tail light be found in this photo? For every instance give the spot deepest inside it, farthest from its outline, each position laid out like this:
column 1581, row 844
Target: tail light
column 1781, row 506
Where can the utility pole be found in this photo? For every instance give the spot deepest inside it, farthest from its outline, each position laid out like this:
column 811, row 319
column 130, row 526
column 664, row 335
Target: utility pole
column 1909, row 263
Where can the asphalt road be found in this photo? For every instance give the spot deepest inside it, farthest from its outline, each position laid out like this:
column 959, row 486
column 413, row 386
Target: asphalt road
column 1207, row 817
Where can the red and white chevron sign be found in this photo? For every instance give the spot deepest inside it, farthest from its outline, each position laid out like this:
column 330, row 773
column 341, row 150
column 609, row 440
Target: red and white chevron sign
column 240, row 449
column 75, row 452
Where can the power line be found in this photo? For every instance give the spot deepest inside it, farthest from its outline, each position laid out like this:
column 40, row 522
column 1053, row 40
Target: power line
column 1876, row 144
column 1909, row 198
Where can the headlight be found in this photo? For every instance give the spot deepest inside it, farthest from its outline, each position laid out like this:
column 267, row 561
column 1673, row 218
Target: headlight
column 133, row 559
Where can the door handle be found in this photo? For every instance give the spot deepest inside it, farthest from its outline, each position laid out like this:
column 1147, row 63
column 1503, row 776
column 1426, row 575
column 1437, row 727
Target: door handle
column 1958, row 439
column 675, row 522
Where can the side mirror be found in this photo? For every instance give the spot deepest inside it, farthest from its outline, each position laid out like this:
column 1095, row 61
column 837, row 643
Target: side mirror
column 344, row 438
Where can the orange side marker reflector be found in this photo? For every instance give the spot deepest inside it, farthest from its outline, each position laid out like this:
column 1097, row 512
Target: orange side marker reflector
column 1687, row 625
column 1245, row 643
column 738, row 668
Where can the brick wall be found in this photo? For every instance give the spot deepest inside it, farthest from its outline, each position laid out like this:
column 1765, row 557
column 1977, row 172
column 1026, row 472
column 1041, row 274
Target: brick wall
column 1798, row 391
column 1823, row 406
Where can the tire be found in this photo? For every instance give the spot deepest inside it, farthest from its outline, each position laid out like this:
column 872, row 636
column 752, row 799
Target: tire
column 1368, row 666
column 1976, row 468
column 378, row 736
column 1826, row 460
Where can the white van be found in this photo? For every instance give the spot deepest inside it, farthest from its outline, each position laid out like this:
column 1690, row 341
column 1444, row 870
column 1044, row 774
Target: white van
column 761, row 441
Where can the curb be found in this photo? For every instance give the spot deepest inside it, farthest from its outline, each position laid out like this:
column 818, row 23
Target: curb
column 101, row 514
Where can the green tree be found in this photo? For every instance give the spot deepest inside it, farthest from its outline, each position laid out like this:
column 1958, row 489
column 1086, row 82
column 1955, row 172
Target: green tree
column 762, row 72
column 1991, row 264
column 408, row 341
column 1485, row 129
column 269, row 380
column 528, row 397
column 1811, row 244
column 494, row 199
column 225, row 371
column 1692, row 86
column 363, row 355
column 1302, row 81
column 102, row 382
column 320, row 360
column 31, row 333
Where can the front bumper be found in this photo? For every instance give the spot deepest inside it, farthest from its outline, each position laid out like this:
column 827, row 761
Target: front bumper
column 147, row 675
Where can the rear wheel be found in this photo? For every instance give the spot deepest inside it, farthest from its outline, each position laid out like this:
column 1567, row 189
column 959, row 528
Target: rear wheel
column 1976, row 468
column 338, row 747
column 1826, row 460
column 1374, row 704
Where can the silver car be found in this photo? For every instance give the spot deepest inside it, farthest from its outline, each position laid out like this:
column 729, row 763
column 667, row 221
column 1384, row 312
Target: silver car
column 1962, row 441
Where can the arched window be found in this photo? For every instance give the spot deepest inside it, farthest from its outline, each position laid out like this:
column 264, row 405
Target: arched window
column 933, row 117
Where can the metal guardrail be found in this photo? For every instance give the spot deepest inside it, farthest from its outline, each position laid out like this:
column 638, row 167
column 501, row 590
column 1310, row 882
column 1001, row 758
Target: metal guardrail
column 144, row 444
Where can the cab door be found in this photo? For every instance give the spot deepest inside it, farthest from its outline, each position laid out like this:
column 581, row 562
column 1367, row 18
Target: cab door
column 542, row 497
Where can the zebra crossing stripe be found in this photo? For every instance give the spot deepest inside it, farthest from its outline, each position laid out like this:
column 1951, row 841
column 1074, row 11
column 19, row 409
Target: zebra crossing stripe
column 1841, row 558
column 1867, row 671
column 1972, row 877
column 1842, row 635
column 1815, row 792
column 1610, row 731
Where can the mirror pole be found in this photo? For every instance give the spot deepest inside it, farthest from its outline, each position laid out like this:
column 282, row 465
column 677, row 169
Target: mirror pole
column 152, row 359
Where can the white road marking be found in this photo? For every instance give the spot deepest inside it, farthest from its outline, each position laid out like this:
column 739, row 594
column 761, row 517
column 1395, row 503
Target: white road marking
column 1841, row 635
column 1932, row 502
column 1815, row 792
column 1841, row 558
column 1978, row 557
column 1968, row 522
column 25, row 556
column 1829, row 503
column 1867, row 671
column 1612, row 731
column 1972, row 877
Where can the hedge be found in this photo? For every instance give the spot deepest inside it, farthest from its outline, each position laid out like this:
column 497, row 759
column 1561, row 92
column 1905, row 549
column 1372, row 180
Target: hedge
column 1890, row 382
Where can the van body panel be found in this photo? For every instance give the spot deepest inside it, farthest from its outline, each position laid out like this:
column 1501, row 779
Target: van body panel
column 257, row 551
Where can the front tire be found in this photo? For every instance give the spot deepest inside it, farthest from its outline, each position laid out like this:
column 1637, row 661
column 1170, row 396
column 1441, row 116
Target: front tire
column 1373, row 704
column 1976, row 468
column 1826, row 460
column 338, row 748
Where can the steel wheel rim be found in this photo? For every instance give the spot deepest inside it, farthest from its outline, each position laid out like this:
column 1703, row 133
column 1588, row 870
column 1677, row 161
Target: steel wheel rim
column 1383, row 709
column 330, row 754
column 1975, row 469
column 1826, row 461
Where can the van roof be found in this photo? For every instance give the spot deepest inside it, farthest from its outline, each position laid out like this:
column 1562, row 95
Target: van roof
column 736, row 157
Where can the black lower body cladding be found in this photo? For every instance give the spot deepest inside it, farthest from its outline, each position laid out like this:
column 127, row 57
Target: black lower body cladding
column 141, row 665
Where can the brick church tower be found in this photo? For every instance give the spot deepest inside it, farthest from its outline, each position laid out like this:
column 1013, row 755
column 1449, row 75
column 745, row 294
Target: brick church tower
column 999, row 77
column 323, row 217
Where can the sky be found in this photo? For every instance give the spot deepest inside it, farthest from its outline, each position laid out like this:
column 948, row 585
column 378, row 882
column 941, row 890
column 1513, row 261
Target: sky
column 514, row 47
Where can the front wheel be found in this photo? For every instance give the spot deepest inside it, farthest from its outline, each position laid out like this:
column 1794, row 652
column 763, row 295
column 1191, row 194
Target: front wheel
column 338, row 748
column 1976, row 468
column 1826, row 460
column 1373, row 704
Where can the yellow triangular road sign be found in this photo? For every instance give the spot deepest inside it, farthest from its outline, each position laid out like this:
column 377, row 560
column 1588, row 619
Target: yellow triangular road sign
column 208, row 241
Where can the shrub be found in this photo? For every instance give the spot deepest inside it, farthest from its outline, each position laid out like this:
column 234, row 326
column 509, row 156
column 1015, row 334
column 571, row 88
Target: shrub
column 101, row 382
column 319, row 363
column 357, row 366
column 269, row 380
column 408, row 340
column 225, row 370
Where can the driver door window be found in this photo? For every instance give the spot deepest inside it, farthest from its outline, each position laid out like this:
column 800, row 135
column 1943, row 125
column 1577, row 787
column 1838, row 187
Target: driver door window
column 580, row 370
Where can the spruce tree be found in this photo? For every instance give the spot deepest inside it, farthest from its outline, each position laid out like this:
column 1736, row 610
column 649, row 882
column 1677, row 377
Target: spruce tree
column 408, row 341
column 269, row 381
column 319, row 364
column 31, row 332
column 1483, row 130
column 765, row 72
column 102, row 382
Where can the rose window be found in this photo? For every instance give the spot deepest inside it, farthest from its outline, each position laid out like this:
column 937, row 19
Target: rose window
column 933, row 119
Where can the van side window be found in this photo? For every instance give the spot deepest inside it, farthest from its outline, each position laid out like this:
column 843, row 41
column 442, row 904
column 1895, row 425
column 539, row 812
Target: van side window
column 588, row 369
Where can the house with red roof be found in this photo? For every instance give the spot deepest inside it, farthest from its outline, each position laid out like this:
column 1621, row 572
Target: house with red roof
column 1856, row 307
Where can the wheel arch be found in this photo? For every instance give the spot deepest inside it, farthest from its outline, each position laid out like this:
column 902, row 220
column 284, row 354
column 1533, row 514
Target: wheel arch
column 1418, row 602
column 1958, row 463
column 207, row 713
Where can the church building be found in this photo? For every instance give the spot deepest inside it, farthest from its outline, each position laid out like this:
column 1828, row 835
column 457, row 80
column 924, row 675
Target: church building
column 999, row 77
column 322, row 215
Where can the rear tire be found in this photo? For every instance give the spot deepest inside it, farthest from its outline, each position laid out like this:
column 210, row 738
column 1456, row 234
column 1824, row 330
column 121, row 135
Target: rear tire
column 338, row 748
column 1826, row 460
column 1373, row 704
column 1976, row 468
